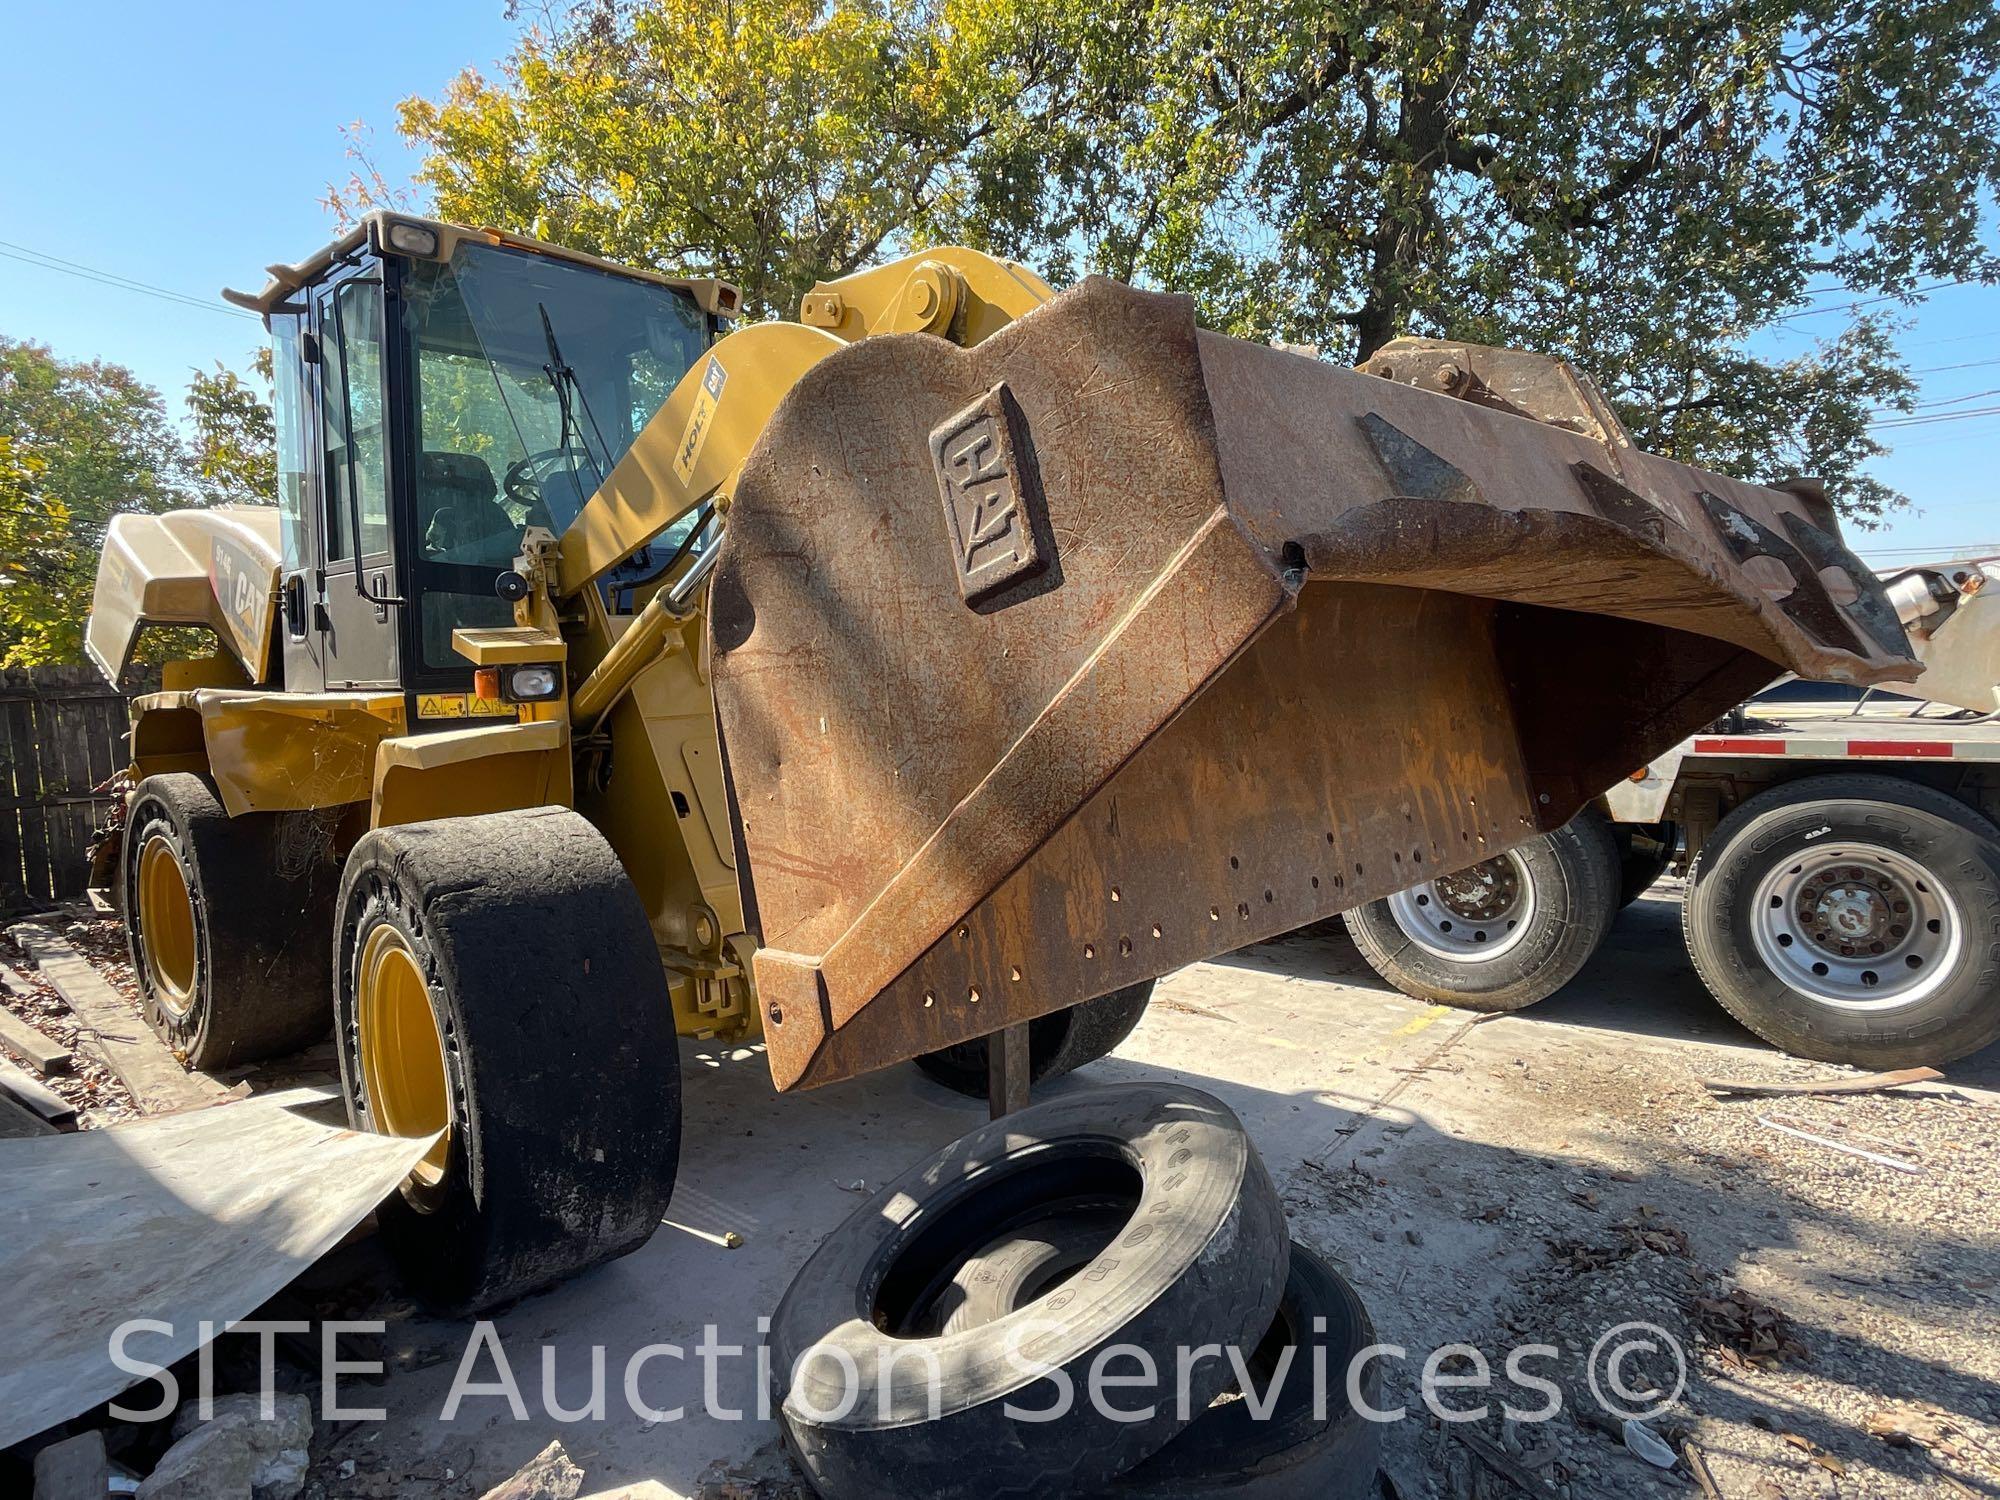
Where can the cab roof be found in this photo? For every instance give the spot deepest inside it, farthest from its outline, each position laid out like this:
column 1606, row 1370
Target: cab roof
column 718, row 297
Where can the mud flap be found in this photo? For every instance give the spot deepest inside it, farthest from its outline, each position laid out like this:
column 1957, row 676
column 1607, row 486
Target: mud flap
column 1109, row 645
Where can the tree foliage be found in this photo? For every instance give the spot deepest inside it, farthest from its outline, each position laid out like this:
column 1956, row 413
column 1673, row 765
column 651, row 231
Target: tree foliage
column 82, row 441
column 1648, row 187
column 234, row 445
column 771, row 142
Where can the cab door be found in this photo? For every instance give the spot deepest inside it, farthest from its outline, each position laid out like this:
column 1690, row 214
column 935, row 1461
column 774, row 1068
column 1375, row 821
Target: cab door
column 356, row 619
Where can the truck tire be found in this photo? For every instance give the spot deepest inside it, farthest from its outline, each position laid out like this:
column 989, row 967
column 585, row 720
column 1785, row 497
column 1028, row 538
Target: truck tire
column 228, row 935
column 1852, row 919
column 1225, row 1453
column 1330, row 1454
column 1058, row 1043
column 1505, row 933
column 874, row 1406
column 1644, row 852
column 495, row 979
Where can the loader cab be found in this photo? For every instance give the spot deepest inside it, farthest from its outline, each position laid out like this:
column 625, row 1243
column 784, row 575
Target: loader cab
column 436, row 392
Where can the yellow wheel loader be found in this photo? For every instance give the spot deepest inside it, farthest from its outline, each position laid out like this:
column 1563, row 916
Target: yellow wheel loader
column 946, row 664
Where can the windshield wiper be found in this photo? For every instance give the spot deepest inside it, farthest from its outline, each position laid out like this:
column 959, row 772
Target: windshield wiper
column 563, row 379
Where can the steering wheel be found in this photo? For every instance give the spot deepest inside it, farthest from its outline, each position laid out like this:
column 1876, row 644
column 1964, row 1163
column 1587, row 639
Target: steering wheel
column 523, row 482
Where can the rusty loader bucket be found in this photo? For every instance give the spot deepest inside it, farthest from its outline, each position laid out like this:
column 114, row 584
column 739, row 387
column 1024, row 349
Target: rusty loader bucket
column 1051, row 665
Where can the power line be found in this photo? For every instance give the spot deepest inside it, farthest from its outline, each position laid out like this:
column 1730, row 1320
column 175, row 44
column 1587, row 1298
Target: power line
column 47, row 262
column 1915, row 291
column 1939, row 551
column 1892, row 411
column 1971, row 364
column 1935, row 417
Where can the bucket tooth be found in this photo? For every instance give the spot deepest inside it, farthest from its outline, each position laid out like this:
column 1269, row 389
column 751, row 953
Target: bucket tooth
column 1107, row 645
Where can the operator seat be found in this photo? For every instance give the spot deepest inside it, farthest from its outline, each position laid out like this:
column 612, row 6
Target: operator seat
column 462, row 521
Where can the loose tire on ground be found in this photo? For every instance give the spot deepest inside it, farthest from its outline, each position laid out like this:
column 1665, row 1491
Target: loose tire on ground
column 1199, row 1257
column 1852, row 919
column 495, row 976
column 1227, row 1452
column 1058, row 1043
column 1504, row 934
column 228, row 921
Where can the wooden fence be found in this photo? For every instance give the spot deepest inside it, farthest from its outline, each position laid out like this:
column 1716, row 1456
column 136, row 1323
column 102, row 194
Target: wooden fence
column 62, row 733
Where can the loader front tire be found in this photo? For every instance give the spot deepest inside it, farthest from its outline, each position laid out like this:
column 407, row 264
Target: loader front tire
column 228, row 921
column 1058, row 1043
column 496, row 980
column 1505, row 933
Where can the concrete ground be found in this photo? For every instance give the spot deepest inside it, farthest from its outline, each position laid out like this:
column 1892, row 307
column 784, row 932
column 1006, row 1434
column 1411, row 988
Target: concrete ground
column 1531, row 1178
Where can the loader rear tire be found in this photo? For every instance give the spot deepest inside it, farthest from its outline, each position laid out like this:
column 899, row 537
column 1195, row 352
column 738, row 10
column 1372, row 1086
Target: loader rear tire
column 495, row 977
column 228, row 931
column 875, row 1405
column 1504, row 934
column 1058, row 1043
column 1645, row 850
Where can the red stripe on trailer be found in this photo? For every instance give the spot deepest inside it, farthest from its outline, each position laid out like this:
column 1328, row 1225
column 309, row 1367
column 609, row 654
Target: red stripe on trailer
column 1739, row 747
column 1902, row 749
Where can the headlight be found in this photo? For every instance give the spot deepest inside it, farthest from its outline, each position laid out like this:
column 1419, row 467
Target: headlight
column 413, row 239
column 531, row 684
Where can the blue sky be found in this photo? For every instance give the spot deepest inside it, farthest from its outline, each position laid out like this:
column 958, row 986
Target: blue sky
column 189, row 146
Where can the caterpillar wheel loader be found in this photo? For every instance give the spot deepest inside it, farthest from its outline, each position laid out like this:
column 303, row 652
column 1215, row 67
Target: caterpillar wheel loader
column 924, row 670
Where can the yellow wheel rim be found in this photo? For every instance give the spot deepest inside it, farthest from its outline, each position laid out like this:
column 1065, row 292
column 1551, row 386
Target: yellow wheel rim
column 402, row 1052
column 166, row 925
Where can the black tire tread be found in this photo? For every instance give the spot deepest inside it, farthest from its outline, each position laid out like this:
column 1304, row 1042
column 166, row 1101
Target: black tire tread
column 560, row 1042
column 262, row 931
column 1058, row 1043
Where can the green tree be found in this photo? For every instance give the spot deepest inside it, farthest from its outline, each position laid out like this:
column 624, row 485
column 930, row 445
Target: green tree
column 234, row 444
column 80, row 441
column 770, row 142
column 1660, row 190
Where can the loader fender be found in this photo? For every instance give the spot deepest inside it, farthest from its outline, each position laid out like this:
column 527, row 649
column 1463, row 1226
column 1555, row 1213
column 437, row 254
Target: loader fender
column 463, row 772
column 216, row 567
column 1047, row 666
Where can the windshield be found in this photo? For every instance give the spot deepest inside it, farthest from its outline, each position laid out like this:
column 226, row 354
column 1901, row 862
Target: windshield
column 533, row 377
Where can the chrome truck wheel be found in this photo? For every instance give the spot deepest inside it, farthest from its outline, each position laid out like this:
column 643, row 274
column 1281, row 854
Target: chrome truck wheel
column 1473, row 916
column 1853, row 919
column 1857, row 925
column 1505, row 932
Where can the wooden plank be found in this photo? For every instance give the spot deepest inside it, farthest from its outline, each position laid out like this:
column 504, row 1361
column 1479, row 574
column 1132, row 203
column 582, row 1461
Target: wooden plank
column 119, row 1034
column 107, row 720
column 13, row 887
column 36, row 1098
column 44, row 1055
column 1867, row 1083
column 68, row 775
column 18, row 1121
column 34, row 825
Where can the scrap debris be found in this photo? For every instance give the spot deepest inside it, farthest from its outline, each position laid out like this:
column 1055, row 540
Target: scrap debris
column 1822, row 1140
column 141, row 1061
column 1748, row 1332
column 1866, row 1084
